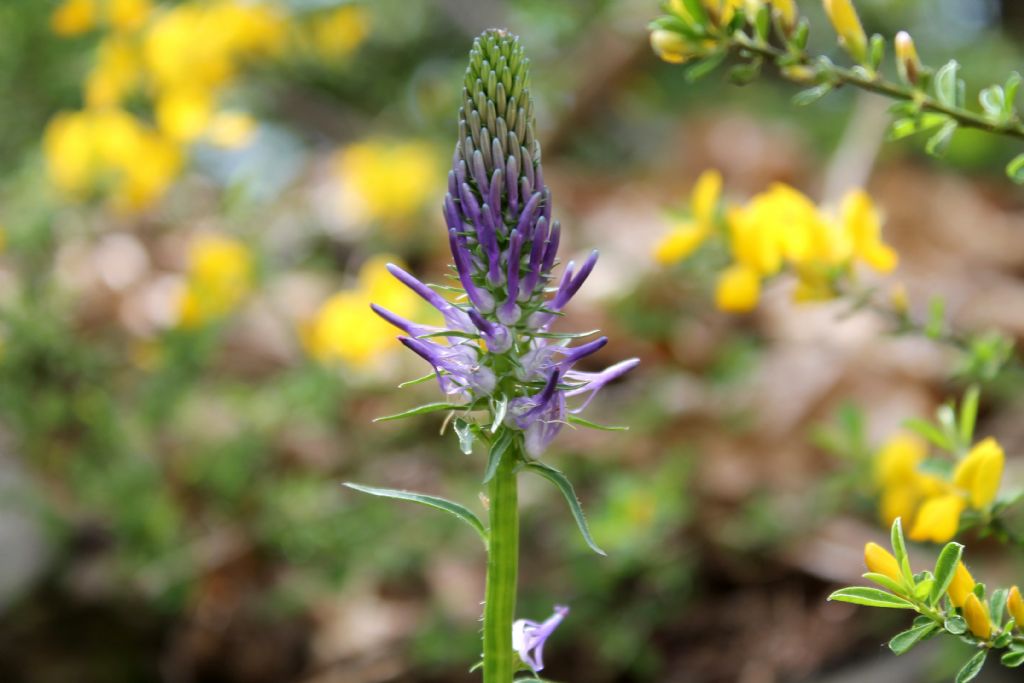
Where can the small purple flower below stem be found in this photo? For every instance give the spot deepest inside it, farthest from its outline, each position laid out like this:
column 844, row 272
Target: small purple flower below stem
column 528, row 637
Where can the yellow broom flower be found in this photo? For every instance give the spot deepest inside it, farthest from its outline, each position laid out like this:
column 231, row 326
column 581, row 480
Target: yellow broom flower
column 976, row 614
column 881, row 561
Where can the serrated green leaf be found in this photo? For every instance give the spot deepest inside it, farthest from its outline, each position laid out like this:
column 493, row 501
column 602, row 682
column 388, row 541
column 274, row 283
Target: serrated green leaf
column 1012, row 659
column 498, row 449
column 460, row 511
column 902, row 642
column 945, row 83
column 562, row 484
column 972, row 668
column 583, row 422
column 1015, row 169
column 945, row 570
column 956, row 625
column 870, row 597
column 421, row 410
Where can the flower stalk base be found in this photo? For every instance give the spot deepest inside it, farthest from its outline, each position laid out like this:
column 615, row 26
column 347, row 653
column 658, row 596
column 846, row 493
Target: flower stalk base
column 500, row 663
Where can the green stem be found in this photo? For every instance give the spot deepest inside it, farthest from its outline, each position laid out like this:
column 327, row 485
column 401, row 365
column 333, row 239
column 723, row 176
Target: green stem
column 502, row 567
column 877, row 84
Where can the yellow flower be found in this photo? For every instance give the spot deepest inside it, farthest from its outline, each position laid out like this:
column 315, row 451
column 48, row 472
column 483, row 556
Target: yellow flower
column 786, row 11
column 117, row 72
column 219, row 276
column 862, row 223
column 879, row 560
column 689, row 235
column 938, row 519
column 386, row 180
column 1015, row 606
column 128, row 15
column 670, row 46
column 961, row 586
column 976, row 614
column 847, row 24
column 776, row 225
column 346, row 329
column 738, row 289
column 897, row 461
column 74, row 17
column 980, row 472
column 184, row 113
column 339, row 32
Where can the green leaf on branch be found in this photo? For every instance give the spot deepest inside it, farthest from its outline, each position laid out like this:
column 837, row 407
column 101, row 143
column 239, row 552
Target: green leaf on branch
column 583, row 422
column 902, row 642
column 498, row 449
column 563, row 485
column 992, row 100
column 972, row 668
column 946, row 83
column 870, row 597
column 945, row 570
column 460, row 511
column 997, row 605
column 1015, row 169
column 899, row 548
column 421, row 410
column 918, row 123
column 956, row 625
column 939, row 143
column 884, row 581
column 705, row 66
column 812, row 95
column 1013, row 658
column 928, row 431
column 969, row 413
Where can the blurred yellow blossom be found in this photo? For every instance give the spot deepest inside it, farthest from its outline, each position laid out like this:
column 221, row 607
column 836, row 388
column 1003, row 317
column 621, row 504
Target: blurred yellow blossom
column 932, row 504
column 980, row 472
column 74, row 17
column 847, row 25
column 218, row 277
column 386, row 180
column 1015, row 606
column 337, row 33
column 180, row 58
column 346, row 329
column 777, row 229
column 688, row 235
column 101, row 149
column 670, row 46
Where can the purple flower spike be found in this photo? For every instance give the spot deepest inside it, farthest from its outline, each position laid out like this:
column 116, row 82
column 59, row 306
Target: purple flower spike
column 528, row 637
column 504, row 242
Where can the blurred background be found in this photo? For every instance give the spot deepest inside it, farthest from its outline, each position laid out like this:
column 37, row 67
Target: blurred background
column 196, row 200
